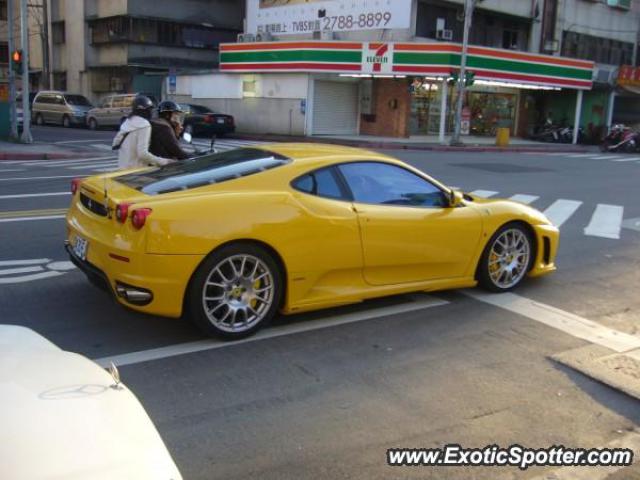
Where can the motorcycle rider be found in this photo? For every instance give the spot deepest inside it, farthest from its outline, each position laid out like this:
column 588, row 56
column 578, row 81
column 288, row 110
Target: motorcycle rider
column 132, row 141
column 166, row 130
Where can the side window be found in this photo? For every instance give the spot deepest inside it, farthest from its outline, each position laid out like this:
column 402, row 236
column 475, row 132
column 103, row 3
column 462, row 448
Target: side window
column 117, row 102
column 106, row 103
column 322, row 183
column 59, row 100
column 385, row 184
column 42, row 99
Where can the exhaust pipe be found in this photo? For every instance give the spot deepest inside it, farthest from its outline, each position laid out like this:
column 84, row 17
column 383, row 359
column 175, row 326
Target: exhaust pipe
column 134, row 295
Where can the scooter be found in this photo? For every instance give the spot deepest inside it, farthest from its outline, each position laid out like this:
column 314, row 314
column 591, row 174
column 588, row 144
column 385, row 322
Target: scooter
column 188, row 138
column 621, row 139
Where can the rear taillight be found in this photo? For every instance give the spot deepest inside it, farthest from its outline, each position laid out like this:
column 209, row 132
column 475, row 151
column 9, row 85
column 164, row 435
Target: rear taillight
column 139, row 217
column 208, row 119
column 75, row 185
column 122, row 212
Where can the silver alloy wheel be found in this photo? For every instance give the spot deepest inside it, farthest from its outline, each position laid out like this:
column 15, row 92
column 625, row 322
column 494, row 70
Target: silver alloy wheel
column 66, row 123
column 188, row 129
column 238, row 293
column 509, row 258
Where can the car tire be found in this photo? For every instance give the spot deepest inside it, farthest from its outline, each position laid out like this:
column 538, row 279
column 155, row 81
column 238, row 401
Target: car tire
column 39, row 119
column 66, row 121
column 93, row 124
column 511, row 249
column 189, row 129
column 236, row 291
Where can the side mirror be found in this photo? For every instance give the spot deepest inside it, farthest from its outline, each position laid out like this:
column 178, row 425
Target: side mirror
column 187, row 137
column 455, row 198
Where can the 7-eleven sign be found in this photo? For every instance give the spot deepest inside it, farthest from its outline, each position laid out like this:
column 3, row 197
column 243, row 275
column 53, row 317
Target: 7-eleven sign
column 377, row 58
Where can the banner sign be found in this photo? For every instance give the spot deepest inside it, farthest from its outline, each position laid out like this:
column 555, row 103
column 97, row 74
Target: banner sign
column 289, row 17
column 629, row 76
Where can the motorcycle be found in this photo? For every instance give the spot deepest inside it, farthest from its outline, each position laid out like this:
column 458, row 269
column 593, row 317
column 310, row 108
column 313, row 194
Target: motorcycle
column 621, row 139
column 188, row 138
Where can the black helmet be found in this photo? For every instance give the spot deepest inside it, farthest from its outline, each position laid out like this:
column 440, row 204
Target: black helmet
column 169, row 106
column 141, row 102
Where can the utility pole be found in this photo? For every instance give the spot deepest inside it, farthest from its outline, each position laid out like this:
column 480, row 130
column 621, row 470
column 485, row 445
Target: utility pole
column 26, row 105
column 468, row 14
column 46, row 51
column 12, row 74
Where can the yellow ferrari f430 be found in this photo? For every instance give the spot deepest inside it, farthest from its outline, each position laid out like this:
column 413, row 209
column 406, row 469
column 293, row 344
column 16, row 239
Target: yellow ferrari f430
column 231, row 238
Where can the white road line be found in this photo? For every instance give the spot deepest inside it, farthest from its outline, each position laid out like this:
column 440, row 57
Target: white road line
column 607, row 157
column 30, row 219
column 30, row 278
column 566, row 322
column 18, row 263
column 580, row 155
column 629, row 441
column 523, row 198
column 484, row 193
column 40, row 178
column 75, row 162
column 606, row 222
column 76, row 141
column 104, row 170
column 101, row 146
column 16, row 271
column 33, row 195
column 422, row 302
column 627, row 159
column 561, row 210
column 556, row 154
column 97, row 165
column 2, row 170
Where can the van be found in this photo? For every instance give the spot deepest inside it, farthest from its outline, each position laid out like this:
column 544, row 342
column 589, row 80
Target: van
column 113, row 110
column 60, row 108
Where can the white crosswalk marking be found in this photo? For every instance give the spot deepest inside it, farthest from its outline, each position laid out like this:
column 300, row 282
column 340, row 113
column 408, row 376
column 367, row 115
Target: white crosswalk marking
column 561, row 210
column 484, row 193
column 606, row 222
column 101, row 146
column 607, row 157
column 523, row 198
column 580, row 155
column 94, row 166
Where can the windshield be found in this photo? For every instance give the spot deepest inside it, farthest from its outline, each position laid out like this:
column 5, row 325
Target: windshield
column 77, row 100
column 202, row 171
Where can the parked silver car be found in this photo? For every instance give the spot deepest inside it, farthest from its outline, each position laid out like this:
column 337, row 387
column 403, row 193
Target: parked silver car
column 113, row 110
column 60, row 108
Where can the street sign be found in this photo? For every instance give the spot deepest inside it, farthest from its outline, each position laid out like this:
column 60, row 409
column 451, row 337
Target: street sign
column 173, row 83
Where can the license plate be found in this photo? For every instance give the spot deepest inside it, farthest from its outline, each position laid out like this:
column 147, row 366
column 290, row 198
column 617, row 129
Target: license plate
column 80, row 248
column 221, row 120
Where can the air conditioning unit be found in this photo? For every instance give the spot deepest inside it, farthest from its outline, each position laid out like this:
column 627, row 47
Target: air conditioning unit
column 264, row 37
column 324, row 35
column 605, row 74
column 445, row 34
column 246, row 37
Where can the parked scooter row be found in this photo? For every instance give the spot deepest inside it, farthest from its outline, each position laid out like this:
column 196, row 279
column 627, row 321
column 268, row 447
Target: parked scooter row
column 557, row 134
column 621, row 139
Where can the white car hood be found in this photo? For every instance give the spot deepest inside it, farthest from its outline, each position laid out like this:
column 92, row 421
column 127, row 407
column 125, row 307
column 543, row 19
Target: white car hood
column 61, row 418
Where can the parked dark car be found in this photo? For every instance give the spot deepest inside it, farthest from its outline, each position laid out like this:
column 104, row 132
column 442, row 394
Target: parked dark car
column 201, row 120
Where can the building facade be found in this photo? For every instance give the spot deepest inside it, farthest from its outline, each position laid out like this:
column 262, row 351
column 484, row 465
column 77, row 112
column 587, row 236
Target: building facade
column 117, row 46
column 381, row 67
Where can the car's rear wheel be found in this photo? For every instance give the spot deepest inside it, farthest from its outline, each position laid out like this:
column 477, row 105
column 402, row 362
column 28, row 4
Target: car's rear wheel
column 93, row 124
column 237, row 290
column 506, row 259
column 189, row 129
column 66, row 121
column 39, row 119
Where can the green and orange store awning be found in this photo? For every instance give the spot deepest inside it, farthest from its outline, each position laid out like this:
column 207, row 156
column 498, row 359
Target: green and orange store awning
column 425, row 59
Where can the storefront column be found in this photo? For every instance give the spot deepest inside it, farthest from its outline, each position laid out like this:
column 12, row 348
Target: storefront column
column 576, row 127
column 443, row 110
column 612, row 101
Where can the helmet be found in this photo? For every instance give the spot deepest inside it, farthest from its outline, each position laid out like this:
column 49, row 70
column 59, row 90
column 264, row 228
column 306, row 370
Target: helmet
column 169, row 106
column 141, row 102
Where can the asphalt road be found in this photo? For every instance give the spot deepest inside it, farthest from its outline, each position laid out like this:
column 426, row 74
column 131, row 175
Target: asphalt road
column 324, row 395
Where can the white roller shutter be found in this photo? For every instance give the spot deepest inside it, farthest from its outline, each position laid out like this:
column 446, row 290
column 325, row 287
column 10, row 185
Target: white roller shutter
column 335, row 108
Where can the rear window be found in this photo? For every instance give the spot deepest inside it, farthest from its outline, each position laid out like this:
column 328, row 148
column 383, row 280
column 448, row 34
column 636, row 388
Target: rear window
column 78, row 100
column 202, row 171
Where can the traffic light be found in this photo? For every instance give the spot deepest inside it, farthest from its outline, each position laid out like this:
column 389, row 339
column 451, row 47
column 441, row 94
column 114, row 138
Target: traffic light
column 469, row 78
column 16, row 61
column 454, row 77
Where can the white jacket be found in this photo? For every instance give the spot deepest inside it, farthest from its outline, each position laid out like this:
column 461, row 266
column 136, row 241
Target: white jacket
column 134, row 151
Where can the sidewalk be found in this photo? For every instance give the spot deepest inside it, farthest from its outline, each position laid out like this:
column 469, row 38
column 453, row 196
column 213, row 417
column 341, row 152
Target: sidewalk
column 39, row 151
column 424, row 142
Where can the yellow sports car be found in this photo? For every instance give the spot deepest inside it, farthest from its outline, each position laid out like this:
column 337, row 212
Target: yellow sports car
column 232, row 238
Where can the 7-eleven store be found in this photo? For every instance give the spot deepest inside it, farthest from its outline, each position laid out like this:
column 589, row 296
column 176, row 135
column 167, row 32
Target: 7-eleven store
column 388, row 89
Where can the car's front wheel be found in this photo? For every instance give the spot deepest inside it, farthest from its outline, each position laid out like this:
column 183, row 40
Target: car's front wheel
column 235, row 291
column 93, row 124
column 506, row 259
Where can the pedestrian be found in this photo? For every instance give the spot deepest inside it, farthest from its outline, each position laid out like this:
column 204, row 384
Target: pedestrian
column 133, row 139
column 166, row 130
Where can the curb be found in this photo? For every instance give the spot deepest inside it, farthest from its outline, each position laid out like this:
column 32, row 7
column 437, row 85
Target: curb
column 416, row 147
column 39, row 156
